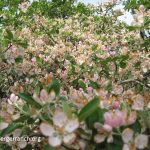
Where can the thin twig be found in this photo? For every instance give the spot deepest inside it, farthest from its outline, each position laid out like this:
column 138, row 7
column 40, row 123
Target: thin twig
column 10, row 45
column 136, row 81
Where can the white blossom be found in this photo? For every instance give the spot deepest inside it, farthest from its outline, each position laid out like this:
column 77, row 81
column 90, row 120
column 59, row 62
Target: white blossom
column 141, row 141
column 127, row 135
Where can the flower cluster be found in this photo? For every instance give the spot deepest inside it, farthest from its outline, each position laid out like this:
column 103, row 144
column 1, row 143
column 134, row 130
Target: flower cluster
column 81, row 82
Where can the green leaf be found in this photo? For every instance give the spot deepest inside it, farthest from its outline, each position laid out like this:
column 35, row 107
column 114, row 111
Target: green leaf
column 5, row 146
column 72, row 68
column 28, row 147
column 147, row 22
column 9, row 34
column 39, row 61
column 37, row 90
column 96, row 116
column 136, row 127
column 67, row 110
column 75, row 82
column 23, row 44
column 83, row 133
column 88, row 109
column 132, row 28
column 63, row 98
column 10, row 128
column 94, row 47
column 93, row 84
column 109, row 86
column 19, row 60
column 25, row 118
column 29, row 100
column 116, row 145
column 55, row 85
column 46, row 117
column 48, row 147
column 82, row 84
column 123, row 64
column 21, row 119
column 1, row 119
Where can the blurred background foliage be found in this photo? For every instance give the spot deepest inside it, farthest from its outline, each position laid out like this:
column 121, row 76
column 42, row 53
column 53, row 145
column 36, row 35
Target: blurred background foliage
column 12, row 18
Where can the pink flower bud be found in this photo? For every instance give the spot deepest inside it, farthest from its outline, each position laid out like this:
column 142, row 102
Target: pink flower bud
column 43, row 95
column 33, row 59
column 107, row 127
column 64, row 75
column 115, row 105
column 114, row 119
column 112, row 53
column 90, row 89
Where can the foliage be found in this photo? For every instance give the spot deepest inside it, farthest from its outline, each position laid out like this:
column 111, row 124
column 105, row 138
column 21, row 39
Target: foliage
column 73, row 77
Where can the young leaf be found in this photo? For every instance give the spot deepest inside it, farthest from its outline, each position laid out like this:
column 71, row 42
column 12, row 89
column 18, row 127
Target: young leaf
column 88, row 109
column 9, row 34
column 19, row 60
column 123, row 64
column 82, row 84
column 93, row 84
column 28, row 147
column 29, row 100
column 67, row 110
column 23, row 44
column 39, row 60
column 55, row 85
column 96, row 116
column 116, row 145
column 48, row 147
column 10, row 128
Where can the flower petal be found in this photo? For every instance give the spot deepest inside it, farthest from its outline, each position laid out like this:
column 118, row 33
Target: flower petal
column 138, row 103
column 22, row 144
column 47, row 129
column 69, row 138
column 55, row 141
column 110, row 139
column 141, row 141
column 127, row 135
column 43, row 95
column 17, row 133
column 99, row 138
column 125, row 147
column 59, row 119
column 72, row 125
column 3, row 125
column 107, row 127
